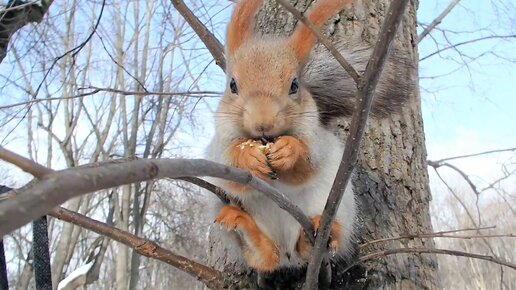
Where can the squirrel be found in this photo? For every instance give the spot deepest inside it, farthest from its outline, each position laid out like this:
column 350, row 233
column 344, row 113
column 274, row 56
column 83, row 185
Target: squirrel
column 271, row 121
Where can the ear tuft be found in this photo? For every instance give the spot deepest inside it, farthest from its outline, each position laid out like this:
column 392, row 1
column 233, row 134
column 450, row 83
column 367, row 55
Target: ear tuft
column 303, row 40
column 240, row 28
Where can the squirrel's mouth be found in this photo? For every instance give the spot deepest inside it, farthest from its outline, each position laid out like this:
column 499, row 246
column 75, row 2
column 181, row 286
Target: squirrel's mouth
column 268, row 139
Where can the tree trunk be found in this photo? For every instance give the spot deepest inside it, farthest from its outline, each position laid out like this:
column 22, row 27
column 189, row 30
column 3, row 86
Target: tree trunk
column 391, row 179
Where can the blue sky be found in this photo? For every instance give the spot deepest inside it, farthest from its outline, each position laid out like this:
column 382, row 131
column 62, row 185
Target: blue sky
column 467, row 108
column 473, row 107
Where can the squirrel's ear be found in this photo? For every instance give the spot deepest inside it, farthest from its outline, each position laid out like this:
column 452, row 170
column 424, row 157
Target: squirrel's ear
column 240, row 28
column 303, row 40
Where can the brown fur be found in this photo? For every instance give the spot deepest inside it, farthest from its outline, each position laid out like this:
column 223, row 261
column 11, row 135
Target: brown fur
column 261, row 254
column 303, row 40
column 303, row 244
column 241, row 26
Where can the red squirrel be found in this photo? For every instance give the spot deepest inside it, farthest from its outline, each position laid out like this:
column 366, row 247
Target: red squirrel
column 270, row 123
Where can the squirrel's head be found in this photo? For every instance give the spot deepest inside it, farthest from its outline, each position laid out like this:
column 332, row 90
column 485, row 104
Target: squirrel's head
column 265, row 95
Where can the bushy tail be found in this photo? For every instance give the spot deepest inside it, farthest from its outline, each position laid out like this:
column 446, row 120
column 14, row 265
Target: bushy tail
column 334, row 90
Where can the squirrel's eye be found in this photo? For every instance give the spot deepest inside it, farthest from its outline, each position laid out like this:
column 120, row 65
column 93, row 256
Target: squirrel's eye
column 233, row 86
column 294, row 87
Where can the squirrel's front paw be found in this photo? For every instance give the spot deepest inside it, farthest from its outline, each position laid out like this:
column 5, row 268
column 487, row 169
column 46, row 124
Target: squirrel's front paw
column 303, row 244
column 248, row 155
column 285, row 152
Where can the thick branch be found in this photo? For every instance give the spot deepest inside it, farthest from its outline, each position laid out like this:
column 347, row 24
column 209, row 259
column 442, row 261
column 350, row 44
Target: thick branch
column 211, row 278
column 212, row 43
column 24, row 164
column 57, row 187
column 364, row 100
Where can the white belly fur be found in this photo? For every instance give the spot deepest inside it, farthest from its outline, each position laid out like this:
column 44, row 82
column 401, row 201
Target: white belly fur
column 310, row 197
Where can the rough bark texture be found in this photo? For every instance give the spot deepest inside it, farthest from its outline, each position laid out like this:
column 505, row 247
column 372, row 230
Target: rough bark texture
column 12, row 18
column 391, row 181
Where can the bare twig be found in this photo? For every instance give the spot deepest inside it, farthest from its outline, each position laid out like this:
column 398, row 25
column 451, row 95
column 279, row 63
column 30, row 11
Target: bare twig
column 443, row 234
column 432, row 251
column 468, row 213
column 467, row 42
column 322, row 39
column 456, row 169
column 212, row 43
column 74, row 51
column 437, row 21
column 473, row 155
column 364, row 99
column 211, row 278
column 56, row 188
column 219, row 192
column 95, row 90
column 198, row 94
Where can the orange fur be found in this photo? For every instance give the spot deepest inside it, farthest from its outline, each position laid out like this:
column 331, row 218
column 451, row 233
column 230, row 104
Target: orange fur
column 303, row 245
column 246, row 155
column 241, row 26
column 289, row 156
column 259, row 250
column 303, row 40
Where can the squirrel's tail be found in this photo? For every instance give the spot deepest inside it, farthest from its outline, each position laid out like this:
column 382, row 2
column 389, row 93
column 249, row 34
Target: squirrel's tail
column 335, row 91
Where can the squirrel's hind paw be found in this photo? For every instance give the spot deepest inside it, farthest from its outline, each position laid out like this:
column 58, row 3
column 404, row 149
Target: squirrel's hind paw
column 259, row 250
column 304, row 247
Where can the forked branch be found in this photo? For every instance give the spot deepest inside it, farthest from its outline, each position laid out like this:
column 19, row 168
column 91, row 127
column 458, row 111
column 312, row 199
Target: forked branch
column 365, row 95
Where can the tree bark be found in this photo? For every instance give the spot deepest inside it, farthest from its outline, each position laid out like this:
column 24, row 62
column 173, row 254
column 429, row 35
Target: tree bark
column 391, row 181
column 16, row 15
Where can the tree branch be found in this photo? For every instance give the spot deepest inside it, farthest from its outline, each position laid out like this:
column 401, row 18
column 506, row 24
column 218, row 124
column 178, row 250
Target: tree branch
column 437, row 21
column 24, row 164
column 460, row 172
column 95, row 90
column 211, row 278
column 442, row 234
column 57, row 187
column 364, row 99
column 212, row 43
column 433, row 251
column 219, row 192
column 467, row 42
column 471, row 155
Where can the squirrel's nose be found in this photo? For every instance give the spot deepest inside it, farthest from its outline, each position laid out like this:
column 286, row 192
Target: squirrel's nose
column 264, row 127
